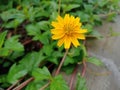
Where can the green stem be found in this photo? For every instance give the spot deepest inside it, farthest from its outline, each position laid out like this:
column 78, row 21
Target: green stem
column 59, row 4
column 61, row 63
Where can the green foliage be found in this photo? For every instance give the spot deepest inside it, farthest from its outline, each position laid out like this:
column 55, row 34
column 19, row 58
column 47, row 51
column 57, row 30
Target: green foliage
column 13, row 44
column 26, row 65
column 41, row 74
column 26, row 48
column 2, row 38
column 58, row 83
column 15, row 73
column 95, row 61
column 81, row 83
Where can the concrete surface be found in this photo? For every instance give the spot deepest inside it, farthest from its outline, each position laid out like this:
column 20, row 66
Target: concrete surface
column 108, row 50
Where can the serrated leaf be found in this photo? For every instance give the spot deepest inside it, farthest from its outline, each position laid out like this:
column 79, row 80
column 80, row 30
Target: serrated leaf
column 15, row 73
column 58, row 83
column 81, row 83
column 13, row 44
column 31, row 60
column 95, row 61
column 41, row 74
column 2, row 37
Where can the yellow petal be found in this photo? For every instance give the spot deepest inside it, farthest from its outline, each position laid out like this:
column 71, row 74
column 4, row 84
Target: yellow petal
column 75, row 42
column 67, row 43
column 57, row 31
column 80, row 36
column 60, row 19
column 57, row 36
column 66, row 18
column 60, row 42
column 81, row 31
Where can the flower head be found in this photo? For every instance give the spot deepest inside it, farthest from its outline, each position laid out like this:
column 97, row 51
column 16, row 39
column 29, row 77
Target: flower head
column 67, row 31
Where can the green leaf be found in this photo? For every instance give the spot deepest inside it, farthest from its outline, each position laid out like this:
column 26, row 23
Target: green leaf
column 41, row 74
column 95, row 61
column 2, row 37
column 32, row 60
column 47, row 49
column 14, row 55
column 69, row 68
column 15, row 73
column 10, row 14
column 68, row 60
column 58, row 83
column 13, row 44
column 3, row 78
column 33, row 30
column 95, row 34
column 83, row 16
column 88, row 8
column 4, row 52
column 43, row 25
column 36, row 85
column 70, row 7
column 44, row 38
column 14, row 23
column 81, row 83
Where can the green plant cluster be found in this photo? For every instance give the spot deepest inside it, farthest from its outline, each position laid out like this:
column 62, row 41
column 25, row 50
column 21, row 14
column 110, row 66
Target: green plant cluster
column 26, row 47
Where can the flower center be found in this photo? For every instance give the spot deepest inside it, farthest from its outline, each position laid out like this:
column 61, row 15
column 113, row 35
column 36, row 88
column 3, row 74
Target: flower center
column 68, row 29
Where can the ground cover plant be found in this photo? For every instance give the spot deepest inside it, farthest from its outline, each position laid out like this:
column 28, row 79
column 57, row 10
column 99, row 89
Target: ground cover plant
column 34, row 48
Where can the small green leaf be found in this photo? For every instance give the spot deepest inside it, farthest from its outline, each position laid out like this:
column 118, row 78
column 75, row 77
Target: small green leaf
column 81, row 83
column 95, row 61
column 2, row 37
column 70, row 7
column 15, row 73
column 13, row 44
column 41, row 74
column 47, row 49
column 95, row 34
column 58, row 83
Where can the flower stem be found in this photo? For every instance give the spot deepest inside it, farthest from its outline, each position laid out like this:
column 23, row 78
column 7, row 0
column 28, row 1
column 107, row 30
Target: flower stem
column 73, row 77
column 59, row 4
column 23, row 84
column 84, row 68
column 12, row 86
column 61, row 63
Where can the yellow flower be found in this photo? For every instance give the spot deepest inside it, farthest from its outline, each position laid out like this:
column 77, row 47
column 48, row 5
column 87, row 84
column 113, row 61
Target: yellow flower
column 67, row 31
